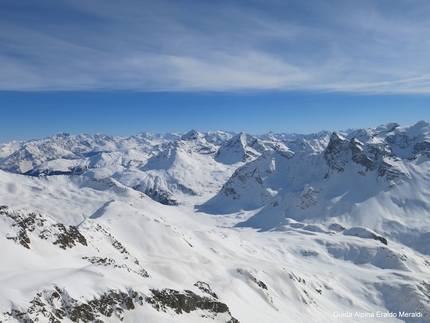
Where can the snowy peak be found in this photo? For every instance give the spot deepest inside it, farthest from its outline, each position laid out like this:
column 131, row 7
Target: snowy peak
column 341, row 151
column 408, row 141
column 184, row 167
column 192, row 135
column 370, row 156
column 61, row 145
column 328, row 178
column 400, row 140
column 265, row 180
column 388, row 127
column 288, row 137
column 240, row 148
column 65, row 153
column 217, row 227
column 337, row 153
column 218, row 137
column 182, row 149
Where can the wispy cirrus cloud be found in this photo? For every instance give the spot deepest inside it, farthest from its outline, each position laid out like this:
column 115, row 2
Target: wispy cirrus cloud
column 215, row 46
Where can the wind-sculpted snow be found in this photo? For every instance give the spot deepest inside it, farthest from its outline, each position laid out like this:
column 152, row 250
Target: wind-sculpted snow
column 217, row 227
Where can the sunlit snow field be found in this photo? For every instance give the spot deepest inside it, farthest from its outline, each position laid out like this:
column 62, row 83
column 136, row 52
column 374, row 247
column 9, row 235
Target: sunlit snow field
column 277, row 231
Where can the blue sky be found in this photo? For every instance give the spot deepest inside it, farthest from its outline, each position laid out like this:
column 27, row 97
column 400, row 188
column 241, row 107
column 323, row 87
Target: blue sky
column 281, row 65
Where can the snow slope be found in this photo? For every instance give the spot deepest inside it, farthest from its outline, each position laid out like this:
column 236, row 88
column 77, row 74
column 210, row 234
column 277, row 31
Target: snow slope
column 327, row 228
column 376, row 178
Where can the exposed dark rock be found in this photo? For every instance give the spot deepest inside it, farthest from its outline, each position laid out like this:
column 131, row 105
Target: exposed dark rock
column 164, row 196
column 401, row 140
column 390, row 172
column 186, row 190
column 308, row 199
column 255, row 280
column 229, row 191
column 340, row 151
column 365, row 233
column 242, row 176
column 115, row 243
column 158, row 195
column 57, row 304
column 42, row 227
column 186, row 302
column 83, row 312
column 49, row 172
column 336, row 227
column 424, row 287
column 67, row 238
column 379, row 238
column 99, row 261
column 359, row 157
column 21, row 238
column 421, row 147
column 204, row 287
column 337, row 153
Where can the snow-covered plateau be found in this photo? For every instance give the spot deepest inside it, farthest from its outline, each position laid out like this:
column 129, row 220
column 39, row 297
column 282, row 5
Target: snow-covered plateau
column 217, row 227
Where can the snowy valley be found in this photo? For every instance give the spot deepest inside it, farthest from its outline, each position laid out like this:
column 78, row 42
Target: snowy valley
column 217, row 227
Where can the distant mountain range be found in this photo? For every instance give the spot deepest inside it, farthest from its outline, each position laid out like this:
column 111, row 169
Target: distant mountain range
column 217, row 226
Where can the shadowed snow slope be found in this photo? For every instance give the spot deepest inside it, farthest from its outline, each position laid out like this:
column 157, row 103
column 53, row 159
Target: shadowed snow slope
column 319, row 228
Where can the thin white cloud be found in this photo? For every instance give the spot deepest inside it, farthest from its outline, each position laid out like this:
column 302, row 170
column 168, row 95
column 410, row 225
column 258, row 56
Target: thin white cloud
column 219, row 46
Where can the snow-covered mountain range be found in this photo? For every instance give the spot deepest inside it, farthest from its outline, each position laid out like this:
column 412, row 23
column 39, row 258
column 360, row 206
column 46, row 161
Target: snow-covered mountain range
column 217, row 226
